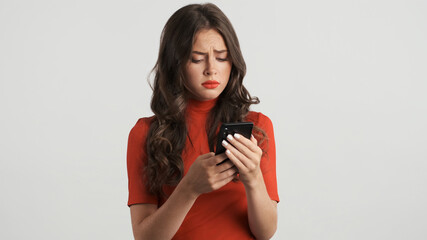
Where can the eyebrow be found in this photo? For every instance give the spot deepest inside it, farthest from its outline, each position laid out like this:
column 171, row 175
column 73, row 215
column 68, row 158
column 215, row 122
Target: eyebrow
column 216, row 51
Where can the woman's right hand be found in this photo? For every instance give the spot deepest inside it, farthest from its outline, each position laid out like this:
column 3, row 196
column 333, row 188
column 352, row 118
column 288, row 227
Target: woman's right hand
column 205, row 175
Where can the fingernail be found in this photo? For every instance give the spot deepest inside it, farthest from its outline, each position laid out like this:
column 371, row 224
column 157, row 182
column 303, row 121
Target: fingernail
column 229, row 137
column 224, row 143
column 228, row 151
column 236, row 135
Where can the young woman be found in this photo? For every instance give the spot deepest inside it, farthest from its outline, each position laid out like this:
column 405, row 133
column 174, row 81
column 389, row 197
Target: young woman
column 177, row 189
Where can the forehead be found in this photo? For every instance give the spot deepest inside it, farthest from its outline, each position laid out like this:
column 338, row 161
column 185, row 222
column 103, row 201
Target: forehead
column 207, row 39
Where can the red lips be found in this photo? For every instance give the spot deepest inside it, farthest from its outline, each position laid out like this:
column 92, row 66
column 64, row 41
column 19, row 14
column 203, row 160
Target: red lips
column 210, row 84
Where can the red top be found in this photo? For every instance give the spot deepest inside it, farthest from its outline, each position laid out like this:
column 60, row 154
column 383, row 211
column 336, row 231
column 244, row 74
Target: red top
column 221, row 214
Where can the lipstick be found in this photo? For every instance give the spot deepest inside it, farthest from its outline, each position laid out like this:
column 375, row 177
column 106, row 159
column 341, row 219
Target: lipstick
column 210, row 84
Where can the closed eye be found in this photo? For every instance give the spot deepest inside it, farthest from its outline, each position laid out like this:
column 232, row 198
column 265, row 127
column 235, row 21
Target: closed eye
column 196, row 60
column 222, row 59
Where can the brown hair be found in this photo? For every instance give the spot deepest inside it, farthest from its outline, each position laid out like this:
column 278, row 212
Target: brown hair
column 168, row 132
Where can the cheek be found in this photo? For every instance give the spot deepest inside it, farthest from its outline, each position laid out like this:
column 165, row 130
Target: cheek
column 191, row 74
column 226, row 70
column 228, row 66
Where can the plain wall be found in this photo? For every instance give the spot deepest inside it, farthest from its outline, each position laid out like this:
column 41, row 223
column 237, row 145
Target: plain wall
column 344, row 83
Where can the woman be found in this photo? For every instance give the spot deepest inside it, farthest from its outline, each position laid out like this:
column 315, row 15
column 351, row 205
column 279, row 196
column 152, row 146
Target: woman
column 177, row 189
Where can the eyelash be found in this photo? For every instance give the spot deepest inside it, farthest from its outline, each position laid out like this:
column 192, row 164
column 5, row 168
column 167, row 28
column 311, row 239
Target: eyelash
column 195, row 61
column 198, row 61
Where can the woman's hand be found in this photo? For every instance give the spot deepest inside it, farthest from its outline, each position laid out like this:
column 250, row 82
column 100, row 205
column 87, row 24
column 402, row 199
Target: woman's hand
column 205, row 175
column 246, row 156
column 262, row 212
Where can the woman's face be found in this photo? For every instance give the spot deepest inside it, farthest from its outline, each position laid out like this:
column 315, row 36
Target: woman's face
column 208, row 70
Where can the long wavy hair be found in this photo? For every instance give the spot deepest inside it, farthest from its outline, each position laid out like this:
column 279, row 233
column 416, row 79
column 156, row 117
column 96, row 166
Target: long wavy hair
column 168, row 132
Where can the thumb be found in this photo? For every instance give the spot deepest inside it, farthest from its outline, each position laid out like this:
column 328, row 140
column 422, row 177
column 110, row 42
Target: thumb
column 206, row 155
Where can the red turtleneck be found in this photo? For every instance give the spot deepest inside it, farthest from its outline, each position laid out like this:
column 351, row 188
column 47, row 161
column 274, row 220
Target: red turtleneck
column 221, row 214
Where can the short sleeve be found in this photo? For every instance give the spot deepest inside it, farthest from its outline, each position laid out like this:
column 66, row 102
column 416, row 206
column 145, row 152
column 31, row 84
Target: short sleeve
column 268, row 159
column 136, row 161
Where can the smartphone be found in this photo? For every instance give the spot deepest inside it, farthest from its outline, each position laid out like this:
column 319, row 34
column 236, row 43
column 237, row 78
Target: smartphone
column 242, row 128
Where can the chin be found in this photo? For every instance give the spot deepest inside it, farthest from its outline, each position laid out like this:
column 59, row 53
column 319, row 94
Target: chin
column 208, row 97
column 203, row 94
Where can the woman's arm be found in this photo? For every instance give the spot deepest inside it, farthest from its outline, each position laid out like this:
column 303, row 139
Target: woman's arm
column 262, row 211
column 150, row 222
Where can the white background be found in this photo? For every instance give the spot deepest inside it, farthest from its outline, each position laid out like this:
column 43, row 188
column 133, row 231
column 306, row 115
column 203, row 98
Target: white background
column 344, row 83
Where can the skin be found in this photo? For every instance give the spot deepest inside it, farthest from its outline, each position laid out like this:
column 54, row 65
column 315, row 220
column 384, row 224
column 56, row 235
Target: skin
column 209, row 61
column 262, row 211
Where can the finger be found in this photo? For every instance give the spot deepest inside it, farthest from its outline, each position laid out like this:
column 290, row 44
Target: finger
column 227, row 164
column 240, row 166
column 253, row 139
column 227, row 173
column 215, row 159
column 240, row 156
column 207, row 155
column 250, row 144
column 239, row 142
column 223, row 182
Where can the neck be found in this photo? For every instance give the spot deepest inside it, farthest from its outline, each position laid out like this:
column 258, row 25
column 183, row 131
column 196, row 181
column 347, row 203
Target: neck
column 201, row 106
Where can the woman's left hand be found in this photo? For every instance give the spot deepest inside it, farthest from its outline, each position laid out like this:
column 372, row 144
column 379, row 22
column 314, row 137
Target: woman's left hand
column 246, row 156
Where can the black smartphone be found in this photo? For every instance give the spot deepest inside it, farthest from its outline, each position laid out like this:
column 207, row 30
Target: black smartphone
column 242, row 128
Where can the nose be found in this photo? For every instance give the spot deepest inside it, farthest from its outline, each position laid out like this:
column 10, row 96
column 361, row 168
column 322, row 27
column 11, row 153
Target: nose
column 210, row 68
